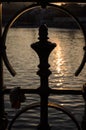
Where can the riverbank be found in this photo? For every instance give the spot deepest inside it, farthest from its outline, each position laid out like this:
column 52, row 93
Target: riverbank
column 58, row 22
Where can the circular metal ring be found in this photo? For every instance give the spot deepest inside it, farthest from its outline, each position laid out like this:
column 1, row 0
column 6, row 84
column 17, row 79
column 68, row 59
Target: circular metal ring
column 11, row 22
column 51, row 105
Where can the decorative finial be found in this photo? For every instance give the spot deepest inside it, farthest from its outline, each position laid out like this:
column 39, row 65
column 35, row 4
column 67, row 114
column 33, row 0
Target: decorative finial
column 43, row 32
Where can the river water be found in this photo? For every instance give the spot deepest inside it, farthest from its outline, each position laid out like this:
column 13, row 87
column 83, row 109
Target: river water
column 64, row 61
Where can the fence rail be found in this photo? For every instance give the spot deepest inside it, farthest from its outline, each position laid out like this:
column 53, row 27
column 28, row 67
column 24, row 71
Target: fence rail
column 66, row 91
column 80, row 1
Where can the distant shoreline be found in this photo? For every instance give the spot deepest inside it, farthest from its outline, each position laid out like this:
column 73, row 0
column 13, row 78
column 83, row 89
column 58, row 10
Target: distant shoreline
column 53, row 26
column 58, row 22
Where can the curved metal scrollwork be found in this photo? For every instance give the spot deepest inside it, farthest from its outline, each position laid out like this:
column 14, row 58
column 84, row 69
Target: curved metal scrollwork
column 52, row 105
column 19, row 14
column 3, row 38
column 84, row 34
column 82, row 63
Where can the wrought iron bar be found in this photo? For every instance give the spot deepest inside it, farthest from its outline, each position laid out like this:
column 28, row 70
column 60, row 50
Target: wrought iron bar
column 3, row 118
column 43, row 48
column 70, row 1
column 65, row 91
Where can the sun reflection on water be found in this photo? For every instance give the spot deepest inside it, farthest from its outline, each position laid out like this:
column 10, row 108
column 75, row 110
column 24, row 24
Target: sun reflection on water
column 64, row 59
column 57, row 64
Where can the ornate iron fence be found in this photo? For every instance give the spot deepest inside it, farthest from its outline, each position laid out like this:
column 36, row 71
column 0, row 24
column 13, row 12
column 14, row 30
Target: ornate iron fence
column 43, row 48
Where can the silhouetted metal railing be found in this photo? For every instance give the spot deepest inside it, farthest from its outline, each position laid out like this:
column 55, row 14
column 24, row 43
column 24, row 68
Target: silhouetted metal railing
column 43, row 48
column 70, row 1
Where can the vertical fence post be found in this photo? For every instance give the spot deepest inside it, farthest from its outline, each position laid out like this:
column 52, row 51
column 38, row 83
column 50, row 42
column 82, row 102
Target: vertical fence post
column 3, row 119
column 43, row 48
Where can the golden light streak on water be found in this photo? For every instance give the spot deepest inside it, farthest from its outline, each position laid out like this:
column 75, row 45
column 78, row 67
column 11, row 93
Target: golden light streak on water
column 58, row 3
